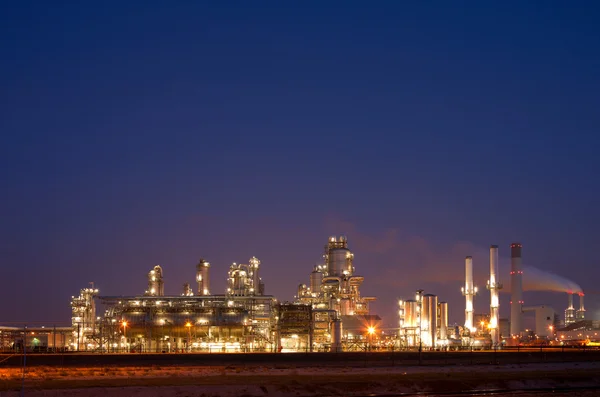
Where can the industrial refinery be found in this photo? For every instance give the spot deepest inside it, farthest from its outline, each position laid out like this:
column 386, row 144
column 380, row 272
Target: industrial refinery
column 329, row 314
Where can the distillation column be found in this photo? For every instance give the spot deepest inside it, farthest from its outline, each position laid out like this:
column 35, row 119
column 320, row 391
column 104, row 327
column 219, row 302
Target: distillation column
column 516, row 290
column 202, row 277
column 469, row 292
column 494, row 287
column 254, row 265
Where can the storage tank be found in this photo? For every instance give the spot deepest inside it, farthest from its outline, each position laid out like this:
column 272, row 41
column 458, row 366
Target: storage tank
column 429, row 320
column 316, row 279
column 410, row 313
column 443, row 320
column 337, row 261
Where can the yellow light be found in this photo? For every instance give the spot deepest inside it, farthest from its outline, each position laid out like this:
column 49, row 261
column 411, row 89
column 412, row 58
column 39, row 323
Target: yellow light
column 124, row 324
column 371, row 330
column 188, row 324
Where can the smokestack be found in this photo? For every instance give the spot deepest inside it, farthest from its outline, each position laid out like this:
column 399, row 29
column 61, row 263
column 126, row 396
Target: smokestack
column 469, row 292
column 516, row 289
column 570, row 312
column 570, row 304
column 581, row 311
column 494, row 287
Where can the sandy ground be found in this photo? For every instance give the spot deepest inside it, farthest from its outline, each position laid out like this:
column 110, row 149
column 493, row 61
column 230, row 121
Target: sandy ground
column 302, row 382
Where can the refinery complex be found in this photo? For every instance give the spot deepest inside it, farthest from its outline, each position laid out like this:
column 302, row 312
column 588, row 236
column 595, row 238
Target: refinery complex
column 329, row 314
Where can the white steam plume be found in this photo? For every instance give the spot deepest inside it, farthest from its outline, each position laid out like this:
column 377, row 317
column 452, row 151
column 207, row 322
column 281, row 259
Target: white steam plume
column 538, row 280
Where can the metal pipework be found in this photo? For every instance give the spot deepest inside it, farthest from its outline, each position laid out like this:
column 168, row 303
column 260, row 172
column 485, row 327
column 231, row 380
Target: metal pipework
column 516, row 290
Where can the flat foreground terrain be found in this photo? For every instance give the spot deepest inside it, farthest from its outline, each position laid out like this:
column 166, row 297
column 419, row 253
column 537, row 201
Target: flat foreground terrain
column 576, row 378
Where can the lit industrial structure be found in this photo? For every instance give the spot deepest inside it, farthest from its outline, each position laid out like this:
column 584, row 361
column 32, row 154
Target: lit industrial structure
column 242, row 319
column 423, row 321
column 516, row 289
column 469, row 291
column 341, row 317
column 572, row 316
column 328, row 314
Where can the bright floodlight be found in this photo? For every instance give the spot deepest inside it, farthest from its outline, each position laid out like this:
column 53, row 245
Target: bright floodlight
column 371, row 330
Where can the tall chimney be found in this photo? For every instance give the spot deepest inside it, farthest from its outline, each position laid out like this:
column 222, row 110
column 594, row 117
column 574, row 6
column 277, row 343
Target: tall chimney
column 516, row 290
column 494, row 287
column 570, row 304
column 469, row 292
column 581, row 311
column 570, row 312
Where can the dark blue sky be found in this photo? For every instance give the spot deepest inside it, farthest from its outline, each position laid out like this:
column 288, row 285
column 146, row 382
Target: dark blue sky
column 134, row 135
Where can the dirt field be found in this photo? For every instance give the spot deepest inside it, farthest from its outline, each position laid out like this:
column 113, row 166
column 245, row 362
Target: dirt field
column 230, row 381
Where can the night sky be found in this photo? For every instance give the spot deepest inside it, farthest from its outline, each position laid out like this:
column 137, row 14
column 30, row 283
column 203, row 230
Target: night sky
column 135, row 135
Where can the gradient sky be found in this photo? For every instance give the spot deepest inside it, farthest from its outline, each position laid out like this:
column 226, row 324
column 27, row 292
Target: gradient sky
column 135, row 135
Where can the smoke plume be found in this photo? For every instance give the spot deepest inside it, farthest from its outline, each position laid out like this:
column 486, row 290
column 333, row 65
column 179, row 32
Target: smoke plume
column 538, row 280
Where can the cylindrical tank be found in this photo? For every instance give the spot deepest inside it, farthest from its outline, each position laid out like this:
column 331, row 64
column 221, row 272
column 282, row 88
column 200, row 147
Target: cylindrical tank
column 316, row 279
column 155, row 282
column 429, row 320
column 410, row 313
column 239, row 281
column 336, row 335
column 202, row 277
column 443, row 320
column 337, row 261
column 254, row 264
